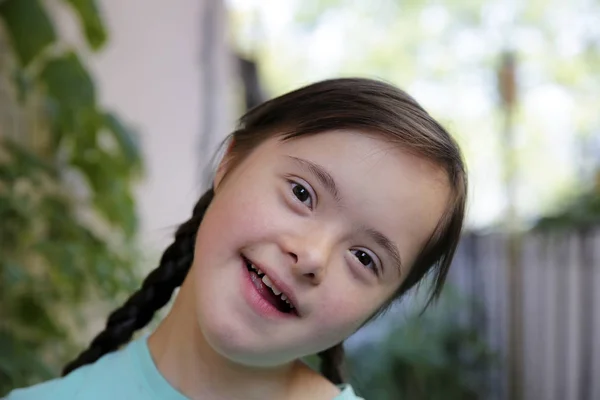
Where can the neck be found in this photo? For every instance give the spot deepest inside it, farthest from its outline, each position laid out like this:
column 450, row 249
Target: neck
column 190, row 365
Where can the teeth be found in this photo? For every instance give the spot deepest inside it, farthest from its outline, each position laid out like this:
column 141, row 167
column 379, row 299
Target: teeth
column 269, row 283
column 258, row 271
column 284, row 298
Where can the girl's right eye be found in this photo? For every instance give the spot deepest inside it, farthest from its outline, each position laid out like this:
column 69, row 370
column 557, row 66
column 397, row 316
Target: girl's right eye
column 302, row 194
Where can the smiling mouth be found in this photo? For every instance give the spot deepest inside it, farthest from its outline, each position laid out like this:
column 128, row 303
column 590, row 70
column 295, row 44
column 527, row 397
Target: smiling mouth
column 268, row 290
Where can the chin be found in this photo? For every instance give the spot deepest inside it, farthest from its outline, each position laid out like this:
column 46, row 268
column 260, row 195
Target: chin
column 241, row 351
column 236, row 342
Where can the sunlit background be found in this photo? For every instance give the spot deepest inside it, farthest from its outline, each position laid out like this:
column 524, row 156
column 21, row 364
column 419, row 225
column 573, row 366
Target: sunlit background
column 111, row 112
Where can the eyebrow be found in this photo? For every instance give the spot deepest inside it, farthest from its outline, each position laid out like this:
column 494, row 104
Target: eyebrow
column 322, row 175
column 388, row 245
column 329, row 184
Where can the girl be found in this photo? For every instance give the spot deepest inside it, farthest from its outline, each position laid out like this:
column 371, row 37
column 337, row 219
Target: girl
column 331, row 202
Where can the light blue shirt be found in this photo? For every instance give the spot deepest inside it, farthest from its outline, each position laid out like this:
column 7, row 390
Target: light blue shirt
column 123, row 375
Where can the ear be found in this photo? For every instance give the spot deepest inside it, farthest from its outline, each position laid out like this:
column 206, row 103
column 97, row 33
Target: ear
column 224, row 164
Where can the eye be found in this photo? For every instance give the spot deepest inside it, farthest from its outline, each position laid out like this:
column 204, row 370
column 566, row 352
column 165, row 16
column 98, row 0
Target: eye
column 365, row 259
column 302, row 194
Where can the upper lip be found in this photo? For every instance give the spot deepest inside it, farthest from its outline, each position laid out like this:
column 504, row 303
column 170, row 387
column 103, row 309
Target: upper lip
column 281, row 285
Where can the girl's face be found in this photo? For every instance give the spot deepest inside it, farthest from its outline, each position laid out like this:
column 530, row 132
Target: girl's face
column 335, row 220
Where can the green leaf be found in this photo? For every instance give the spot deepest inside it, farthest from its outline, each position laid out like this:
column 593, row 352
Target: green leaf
column 13, row 273
column 20, row 362
column 89, row 16
column 28, row 162
column 29, row 27
column 117, row 205
column 23, row 84
column 126, row 139
column 34, row 313
column 68, row 82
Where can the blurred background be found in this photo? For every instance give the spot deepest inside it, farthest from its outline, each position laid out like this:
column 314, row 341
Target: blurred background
column 111, row 112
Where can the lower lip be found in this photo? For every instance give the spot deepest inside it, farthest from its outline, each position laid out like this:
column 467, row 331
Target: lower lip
column 260, row 306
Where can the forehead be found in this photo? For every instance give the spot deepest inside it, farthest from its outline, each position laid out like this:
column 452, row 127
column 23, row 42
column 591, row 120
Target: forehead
column 380, row 184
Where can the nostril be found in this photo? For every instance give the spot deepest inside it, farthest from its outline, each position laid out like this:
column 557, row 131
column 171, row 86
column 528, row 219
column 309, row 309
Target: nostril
column 294, row 256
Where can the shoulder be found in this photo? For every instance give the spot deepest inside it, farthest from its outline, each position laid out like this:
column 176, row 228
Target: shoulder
column 90, row 382
column 347, row 393
column 60, row 388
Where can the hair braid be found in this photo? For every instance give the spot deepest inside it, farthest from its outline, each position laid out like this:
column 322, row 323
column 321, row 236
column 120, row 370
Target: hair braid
column 332, row 360
column 155, row 292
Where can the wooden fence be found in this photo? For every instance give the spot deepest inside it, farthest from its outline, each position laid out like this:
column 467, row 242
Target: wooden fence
column 540, row 312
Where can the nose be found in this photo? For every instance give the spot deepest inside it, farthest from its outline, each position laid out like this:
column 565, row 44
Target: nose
column 309, row 256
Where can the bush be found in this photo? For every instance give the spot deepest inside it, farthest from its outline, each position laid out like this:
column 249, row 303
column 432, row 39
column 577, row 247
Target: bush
column 421, row 357
column 67, row 167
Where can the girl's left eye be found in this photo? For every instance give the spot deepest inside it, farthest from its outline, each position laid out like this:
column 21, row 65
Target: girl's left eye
column 302, row 194
column 365, row 259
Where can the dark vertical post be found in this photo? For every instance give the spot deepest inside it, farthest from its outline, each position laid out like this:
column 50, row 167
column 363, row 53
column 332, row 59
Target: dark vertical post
column 507, row 88
column 253, row 91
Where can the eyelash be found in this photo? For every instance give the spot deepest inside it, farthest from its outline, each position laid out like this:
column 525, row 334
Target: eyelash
column 294, row 184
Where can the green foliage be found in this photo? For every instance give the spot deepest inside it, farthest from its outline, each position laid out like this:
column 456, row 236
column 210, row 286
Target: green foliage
column 28, row 26
column 67, row 167
column 429, row 356
column 87, row 11
column 582, row 211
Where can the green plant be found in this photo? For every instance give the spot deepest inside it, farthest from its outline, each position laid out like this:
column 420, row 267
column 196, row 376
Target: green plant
column 67, row 169
column 424, row 357
column 581, row 211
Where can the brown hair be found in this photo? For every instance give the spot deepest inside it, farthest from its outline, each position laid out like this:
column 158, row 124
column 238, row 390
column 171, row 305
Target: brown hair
column 365, row 105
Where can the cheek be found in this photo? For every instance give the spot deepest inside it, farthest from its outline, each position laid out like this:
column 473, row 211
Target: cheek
column 345, row 308
column 244, row 218
column 228, row 224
